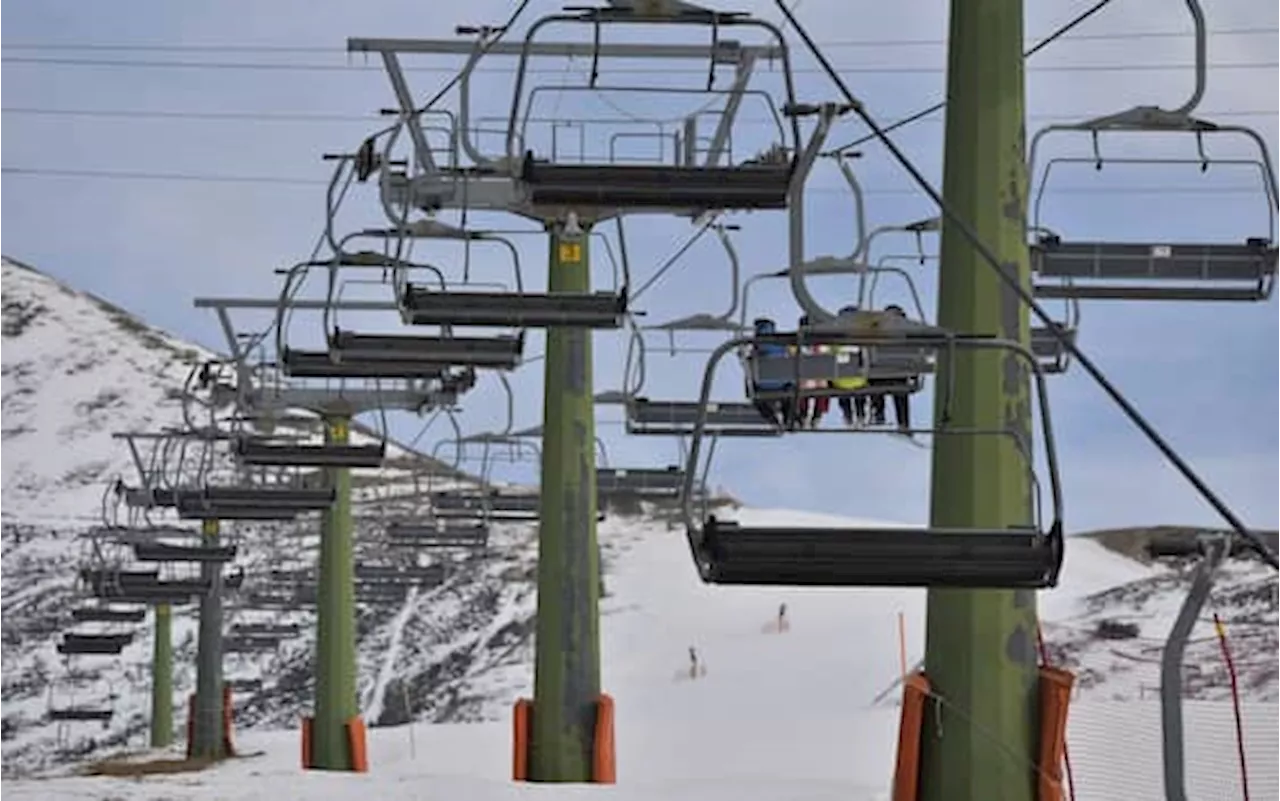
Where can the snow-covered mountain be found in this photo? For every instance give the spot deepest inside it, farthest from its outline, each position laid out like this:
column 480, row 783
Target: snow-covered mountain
column 76, row 369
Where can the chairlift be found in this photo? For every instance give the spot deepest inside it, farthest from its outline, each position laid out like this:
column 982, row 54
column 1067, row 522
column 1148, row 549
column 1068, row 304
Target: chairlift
column 72, row 712
column 250, row 644
column 684, row 186
column 269, row 452
column 1011, row 556
column 421, row 305
column 492, row 505
column 227, row 502
column 266, row 629
column 1053, row 355
column 141, row 586
column 276, row 600
column 1067, row 267
column 133, row 535
column 440, row 533
column 245, row 685
column 495, row 353
column 76, row 643
column 107, row 614
column 678, row 418
column 724, row 321
column 646, row 483
column 166, row 552
column 403, row 574
column 320, row 364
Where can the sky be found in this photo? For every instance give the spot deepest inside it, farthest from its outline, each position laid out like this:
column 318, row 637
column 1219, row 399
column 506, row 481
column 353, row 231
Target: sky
column 1204, row 374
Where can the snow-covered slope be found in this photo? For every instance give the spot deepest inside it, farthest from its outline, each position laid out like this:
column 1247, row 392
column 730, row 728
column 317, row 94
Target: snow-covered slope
column 76, row 370
column 777, row 716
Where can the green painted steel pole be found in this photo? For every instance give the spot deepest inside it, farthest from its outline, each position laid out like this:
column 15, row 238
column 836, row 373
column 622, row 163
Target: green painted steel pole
column 162, row 678
column 567, row 662
column 336, row 620
column 980, row 652
column 206, row 738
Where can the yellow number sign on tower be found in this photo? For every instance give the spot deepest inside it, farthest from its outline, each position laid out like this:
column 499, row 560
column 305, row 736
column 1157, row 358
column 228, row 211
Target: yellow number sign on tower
column 569, row 252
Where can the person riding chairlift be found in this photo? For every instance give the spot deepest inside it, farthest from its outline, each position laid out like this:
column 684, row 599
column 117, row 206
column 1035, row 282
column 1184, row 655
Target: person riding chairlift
column 813, row 408
column 852, row 407
column 778, row 412
column 895, row 316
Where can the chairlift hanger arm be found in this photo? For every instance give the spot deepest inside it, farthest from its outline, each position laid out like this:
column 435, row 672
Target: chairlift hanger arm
column 827, row 115
column 993, row 262
column 780, row 53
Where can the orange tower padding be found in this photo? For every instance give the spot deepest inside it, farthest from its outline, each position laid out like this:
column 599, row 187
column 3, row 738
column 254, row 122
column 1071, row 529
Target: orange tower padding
column 906, row 773
column 522, row 726
column 306, row 743
column 358, row 744
column 604, row 757
column 228, row 712
column 1055, row 697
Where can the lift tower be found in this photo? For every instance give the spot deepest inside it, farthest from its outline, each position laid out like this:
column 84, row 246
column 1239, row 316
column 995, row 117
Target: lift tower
column 980, row 652
column 689, row 175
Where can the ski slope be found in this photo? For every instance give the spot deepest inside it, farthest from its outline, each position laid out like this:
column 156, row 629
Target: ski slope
column 778, row 716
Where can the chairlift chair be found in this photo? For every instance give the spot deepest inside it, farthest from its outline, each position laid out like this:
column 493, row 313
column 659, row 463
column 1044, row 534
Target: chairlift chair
column 245, row 685
column 266, row 452
column 141, row 586
column 492, row 505
column 249, row 644
column 1175, row 271
column 296, row 363
column 1011, row 556
column 495, row 353
column 253, row 502
column 421, row 305
column 398, row 574
column 133, row 535
column 166, row 552
column 678, row 418
column 72, row 712
column 437, row 534
column 1049, row 350
column 107, row 614
column 266, row 629
column 683, row 186
column 81, row 714
column 644, row 482
column 75, row 643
